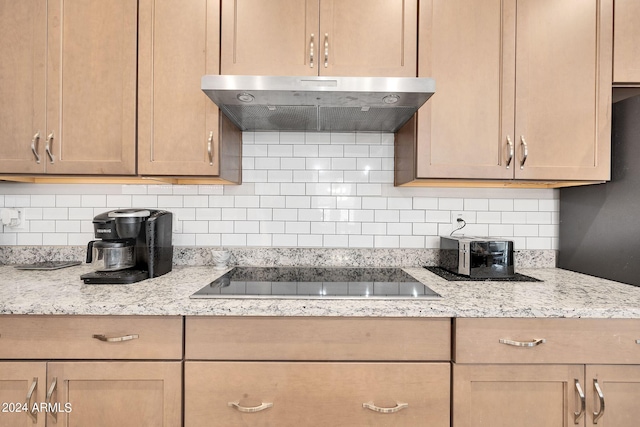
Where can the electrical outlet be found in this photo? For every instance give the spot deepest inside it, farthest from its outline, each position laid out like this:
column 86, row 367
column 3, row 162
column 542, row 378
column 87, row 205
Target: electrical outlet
column 455, row 224
column 13, row 218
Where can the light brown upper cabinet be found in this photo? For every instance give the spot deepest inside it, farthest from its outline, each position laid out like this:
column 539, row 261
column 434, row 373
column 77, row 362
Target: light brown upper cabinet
column 319, row 37
column 523, row 91
column 626, row 42
column 69, row 86
column 179, row 128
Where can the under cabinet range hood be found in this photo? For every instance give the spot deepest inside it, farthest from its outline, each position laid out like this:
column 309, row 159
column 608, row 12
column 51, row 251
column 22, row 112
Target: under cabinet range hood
column 322, row 104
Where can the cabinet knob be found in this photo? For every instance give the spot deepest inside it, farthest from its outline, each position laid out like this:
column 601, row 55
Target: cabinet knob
column 52, row 388
column 311, row 46
column 525, row 151
column 535, row 342
column 49, row 146
column 577, row 415
column 399, row 407
column 326, row 50
column 105, row 338
column 249, row 409
column 27, row 402
column 511, row 151
column 598, row 414
column 210, row 148
column 34, row 146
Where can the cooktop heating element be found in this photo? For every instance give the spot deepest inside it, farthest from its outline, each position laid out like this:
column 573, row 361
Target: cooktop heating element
column 316, row 283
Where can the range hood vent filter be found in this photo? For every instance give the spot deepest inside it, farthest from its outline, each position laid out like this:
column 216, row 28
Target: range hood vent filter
column 324, row 104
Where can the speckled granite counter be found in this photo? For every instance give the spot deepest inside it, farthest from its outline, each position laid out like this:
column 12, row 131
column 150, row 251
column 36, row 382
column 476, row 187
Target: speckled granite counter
column 561, row 294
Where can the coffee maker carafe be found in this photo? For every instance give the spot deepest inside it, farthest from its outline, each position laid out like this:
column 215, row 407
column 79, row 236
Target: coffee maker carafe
column 135, row 244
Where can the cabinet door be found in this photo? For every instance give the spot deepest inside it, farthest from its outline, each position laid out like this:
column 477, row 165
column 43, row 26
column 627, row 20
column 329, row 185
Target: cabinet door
column 177, row 123
column 563, row 89
column 107, row 394
column 368, row 38
column 23, row 32
column 626, row 42
column 515, row 395
column 16, row 379
column 316, row 394
column 276, row 37
column 620, row 387
column 91, row 86
column 463, row 130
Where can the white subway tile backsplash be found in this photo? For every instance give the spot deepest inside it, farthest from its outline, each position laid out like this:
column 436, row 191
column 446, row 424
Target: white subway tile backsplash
column 208, row 239
column 246, row 227
column 299, row 189
column 360, row 241
column 386, row 241
column 235, row 239
column 293, row 163
column 412, row 242
column 310, row 214
column 67, row 201
column 344, row 164
column 336, row 241
column 259, row 240
column 9, row 239
column 501, row 204
column 40, row 200
column 342, row 138
column 330, row 176
column 425, row 203
column 147, row 201
column 272, row 227
column 267, row 163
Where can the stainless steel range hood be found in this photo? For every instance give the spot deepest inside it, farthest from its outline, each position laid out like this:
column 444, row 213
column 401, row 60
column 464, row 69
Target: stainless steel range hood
column 325, row 104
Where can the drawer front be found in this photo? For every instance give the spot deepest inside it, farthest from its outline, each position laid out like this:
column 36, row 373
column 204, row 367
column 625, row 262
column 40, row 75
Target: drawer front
column 547, row 341
column 247, row 338
column 90, row 337
column 316, row 394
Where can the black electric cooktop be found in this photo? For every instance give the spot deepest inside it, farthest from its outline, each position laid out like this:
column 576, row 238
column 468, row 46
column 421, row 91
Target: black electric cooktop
column 316, row 283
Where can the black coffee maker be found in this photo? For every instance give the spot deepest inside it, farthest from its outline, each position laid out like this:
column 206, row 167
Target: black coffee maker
column 135, row 244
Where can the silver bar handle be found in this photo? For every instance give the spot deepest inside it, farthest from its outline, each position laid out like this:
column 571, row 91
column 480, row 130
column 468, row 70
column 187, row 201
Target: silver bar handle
column 35, row 141
column 525, row 151
column 32, row 414
column 577, row 415
column 311, row 46
column 250, row 409
column 104, row 338
column 535, row 342
column 326, row 50
column 637, row 341
column 210, row 148
column 52, row 388
column 511, row 151
column 600, row 413
column 399, row 407
column 48, row 147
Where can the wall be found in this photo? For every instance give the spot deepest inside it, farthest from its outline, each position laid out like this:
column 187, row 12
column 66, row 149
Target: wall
column 299, row 190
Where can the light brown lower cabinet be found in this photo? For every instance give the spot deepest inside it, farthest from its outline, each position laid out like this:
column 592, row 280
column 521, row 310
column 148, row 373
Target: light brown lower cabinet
column 316, row 394
column 546, row 372
column 546, row 395
column 515, row 395
column 22, row 383
column 123, row 394
column 98, row 371
column 620, row 389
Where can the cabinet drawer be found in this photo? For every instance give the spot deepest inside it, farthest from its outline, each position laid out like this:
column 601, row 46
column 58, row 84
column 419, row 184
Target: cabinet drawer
column 565, row 341
column 325, row 338
column 316, row 394
column 72, row 337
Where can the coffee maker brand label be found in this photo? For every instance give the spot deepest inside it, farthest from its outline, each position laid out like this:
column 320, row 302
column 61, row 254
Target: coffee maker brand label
column 103, row 230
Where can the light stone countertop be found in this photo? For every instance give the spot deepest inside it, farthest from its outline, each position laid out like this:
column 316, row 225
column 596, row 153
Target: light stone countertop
column 561, row 294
